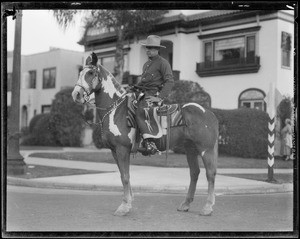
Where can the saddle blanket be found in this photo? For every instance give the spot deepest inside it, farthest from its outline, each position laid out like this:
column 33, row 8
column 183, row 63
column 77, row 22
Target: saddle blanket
column 176, row 118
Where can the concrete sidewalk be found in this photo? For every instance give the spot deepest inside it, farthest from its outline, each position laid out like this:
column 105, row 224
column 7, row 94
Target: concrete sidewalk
column 146, row 178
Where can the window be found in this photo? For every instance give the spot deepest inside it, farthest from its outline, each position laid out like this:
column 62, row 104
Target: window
column 32, row 80
column 49, row 77
column 208, row 54
column 108, row 62
column 286, row 49
column 252, row 98
column 46, row 109
column 9, row 81
column 230, row 51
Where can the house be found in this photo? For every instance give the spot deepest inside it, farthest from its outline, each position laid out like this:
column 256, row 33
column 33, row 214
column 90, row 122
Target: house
column 42, row 76
column 233, row 54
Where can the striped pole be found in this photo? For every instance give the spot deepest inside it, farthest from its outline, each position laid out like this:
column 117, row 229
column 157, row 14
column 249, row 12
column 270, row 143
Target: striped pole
column 271, row 141
column 271, row 109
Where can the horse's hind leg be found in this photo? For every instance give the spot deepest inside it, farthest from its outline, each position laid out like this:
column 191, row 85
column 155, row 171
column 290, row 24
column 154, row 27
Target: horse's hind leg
column 210, row 162
column 192, row 158
column 122, row 157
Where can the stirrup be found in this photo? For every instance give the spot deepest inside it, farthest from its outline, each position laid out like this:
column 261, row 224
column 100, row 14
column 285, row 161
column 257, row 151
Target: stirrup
column 149, row 148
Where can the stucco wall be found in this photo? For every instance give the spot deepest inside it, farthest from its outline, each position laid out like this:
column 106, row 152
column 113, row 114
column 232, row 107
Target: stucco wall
column 66, row 63
column 285, row 81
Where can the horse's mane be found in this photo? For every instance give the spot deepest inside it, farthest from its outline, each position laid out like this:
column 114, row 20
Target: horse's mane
column 116, row 84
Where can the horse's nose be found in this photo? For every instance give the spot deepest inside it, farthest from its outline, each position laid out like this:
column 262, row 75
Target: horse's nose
column 76, row 96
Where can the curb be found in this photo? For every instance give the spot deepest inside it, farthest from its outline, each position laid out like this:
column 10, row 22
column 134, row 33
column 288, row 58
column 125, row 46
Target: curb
column 273, row 188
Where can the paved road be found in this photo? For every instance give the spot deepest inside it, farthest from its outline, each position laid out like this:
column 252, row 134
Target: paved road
column 35, row 209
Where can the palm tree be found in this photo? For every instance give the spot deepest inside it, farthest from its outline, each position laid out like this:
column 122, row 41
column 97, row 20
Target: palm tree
column 124, row 23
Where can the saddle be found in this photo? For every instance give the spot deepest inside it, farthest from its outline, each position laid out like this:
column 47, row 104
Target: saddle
column 168, row 115
column 166, row 110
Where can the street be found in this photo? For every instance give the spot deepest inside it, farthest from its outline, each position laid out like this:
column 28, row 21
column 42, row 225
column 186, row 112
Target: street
column 35, row 209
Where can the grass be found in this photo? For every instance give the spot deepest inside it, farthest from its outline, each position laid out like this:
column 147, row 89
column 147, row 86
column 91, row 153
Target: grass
column 38, row 171
column 174, row 160
column 280, row 177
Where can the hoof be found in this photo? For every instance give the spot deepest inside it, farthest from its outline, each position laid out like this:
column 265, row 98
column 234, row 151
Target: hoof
column 123, row 210
column 183, row 208
column 206, row 211
column 203, row 213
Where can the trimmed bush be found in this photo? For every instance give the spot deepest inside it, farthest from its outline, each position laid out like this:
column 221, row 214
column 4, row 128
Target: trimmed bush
column 33, row 121
column 285, row 110
column 243, row 132
column 188, row 91
column 40, row 133
column 61, row 127
column 66, row 122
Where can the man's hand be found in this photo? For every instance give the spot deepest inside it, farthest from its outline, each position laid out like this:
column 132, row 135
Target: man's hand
column 153, row 99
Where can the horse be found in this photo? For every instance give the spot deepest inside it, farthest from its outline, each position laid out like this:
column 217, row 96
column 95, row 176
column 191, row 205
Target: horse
column 199, row 134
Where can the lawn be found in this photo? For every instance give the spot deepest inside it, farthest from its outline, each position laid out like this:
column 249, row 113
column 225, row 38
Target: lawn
column 38, row 171
column 174, row 160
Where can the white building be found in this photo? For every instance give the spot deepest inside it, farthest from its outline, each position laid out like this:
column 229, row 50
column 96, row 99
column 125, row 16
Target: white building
column 42, row 76
column 233, row 54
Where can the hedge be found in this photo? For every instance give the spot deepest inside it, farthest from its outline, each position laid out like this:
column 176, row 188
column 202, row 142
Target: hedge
column 40, row 133
column 242, row 133
column 61, row 127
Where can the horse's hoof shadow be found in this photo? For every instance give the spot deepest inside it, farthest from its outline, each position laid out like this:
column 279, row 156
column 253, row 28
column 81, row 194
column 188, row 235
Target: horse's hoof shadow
column 205, row 213
column 182, row 210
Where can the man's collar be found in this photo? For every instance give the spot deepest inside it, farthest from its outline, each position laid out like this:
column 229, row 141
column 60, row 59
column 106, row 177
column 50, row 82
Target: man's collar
column 154, row 58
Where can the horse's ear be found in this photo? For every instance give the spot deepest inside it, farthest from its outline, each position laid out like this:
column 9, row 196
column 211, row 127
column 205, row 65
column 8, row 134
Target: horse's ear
column 94, row 59
column 91, row 59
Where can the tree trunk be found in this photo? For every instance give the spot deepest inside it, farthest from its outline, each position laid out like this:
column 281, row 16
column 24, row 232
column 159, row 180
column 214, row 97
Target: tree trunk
column 119, row 57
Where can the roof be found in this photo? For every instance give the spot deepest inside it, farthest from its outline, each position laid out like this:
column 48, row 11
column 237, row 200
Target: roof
column 198, row 16
column 185, row 20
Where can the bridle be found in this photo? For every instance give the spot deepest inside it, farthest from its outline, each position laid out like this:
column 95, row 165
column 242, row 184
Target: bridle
column 108, row 109
column 88, row 92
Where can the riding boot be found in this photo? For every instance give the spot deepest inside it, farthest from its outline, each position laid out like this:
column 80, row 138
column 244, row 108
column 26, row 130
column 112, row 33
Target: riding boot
column 149, row 148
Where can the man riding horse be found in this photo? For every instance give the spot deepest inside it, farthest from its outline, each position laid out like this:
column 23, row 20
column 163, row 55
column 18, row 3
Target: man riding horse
column 155, row 85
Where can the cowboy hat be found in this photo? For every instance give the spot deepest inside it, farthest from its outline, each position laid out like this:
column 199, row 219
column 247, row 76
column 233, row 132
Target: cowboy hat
column 153, row 41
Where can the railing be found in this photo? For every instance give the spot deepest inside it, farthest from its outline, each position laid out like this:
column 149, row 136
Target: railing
column 230, row 66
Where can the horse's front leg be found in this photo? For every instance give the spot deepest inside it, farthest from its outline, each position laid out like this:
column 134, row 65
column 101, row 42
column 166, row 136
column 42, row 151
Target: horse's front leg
column 122, row 157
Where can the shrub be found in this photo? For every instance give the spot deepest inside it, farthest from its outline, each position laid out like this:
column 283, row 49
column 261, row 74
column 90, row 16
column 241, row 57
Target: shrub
column 285, row 110
column 243, row 132
column 40, row 133
column 61, row 127
column 188, row 91
column 66, row 123
column 33, row 121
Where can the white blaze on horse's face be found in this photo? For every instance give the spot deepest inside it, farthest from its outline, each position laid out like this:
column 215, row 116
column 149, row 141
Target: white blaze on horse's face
column 87, row 81
column 88, row 78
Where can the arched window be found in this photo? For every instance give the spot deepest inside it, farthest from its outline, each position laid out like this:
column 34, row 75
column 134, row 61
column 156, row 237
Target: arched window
column 252, row 98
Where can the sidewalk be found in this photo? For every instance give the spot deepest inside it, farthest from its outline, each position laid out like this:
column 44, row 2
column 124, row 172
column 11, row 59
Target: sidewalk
column 146, row 178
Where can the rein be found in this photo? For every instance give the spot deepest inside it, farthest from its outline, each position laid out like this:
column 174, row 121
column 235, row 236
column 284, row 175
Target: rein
column 109, row 109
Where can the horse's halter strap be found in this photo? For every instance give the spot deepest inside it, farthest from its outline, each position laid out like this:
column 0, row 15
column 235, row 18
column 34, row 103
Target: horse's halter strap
column 87, row 91
column 110, row 108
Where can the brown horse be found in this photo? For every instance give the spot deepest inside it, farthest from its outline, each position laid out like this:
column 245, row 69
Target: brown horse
column 200, row 133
